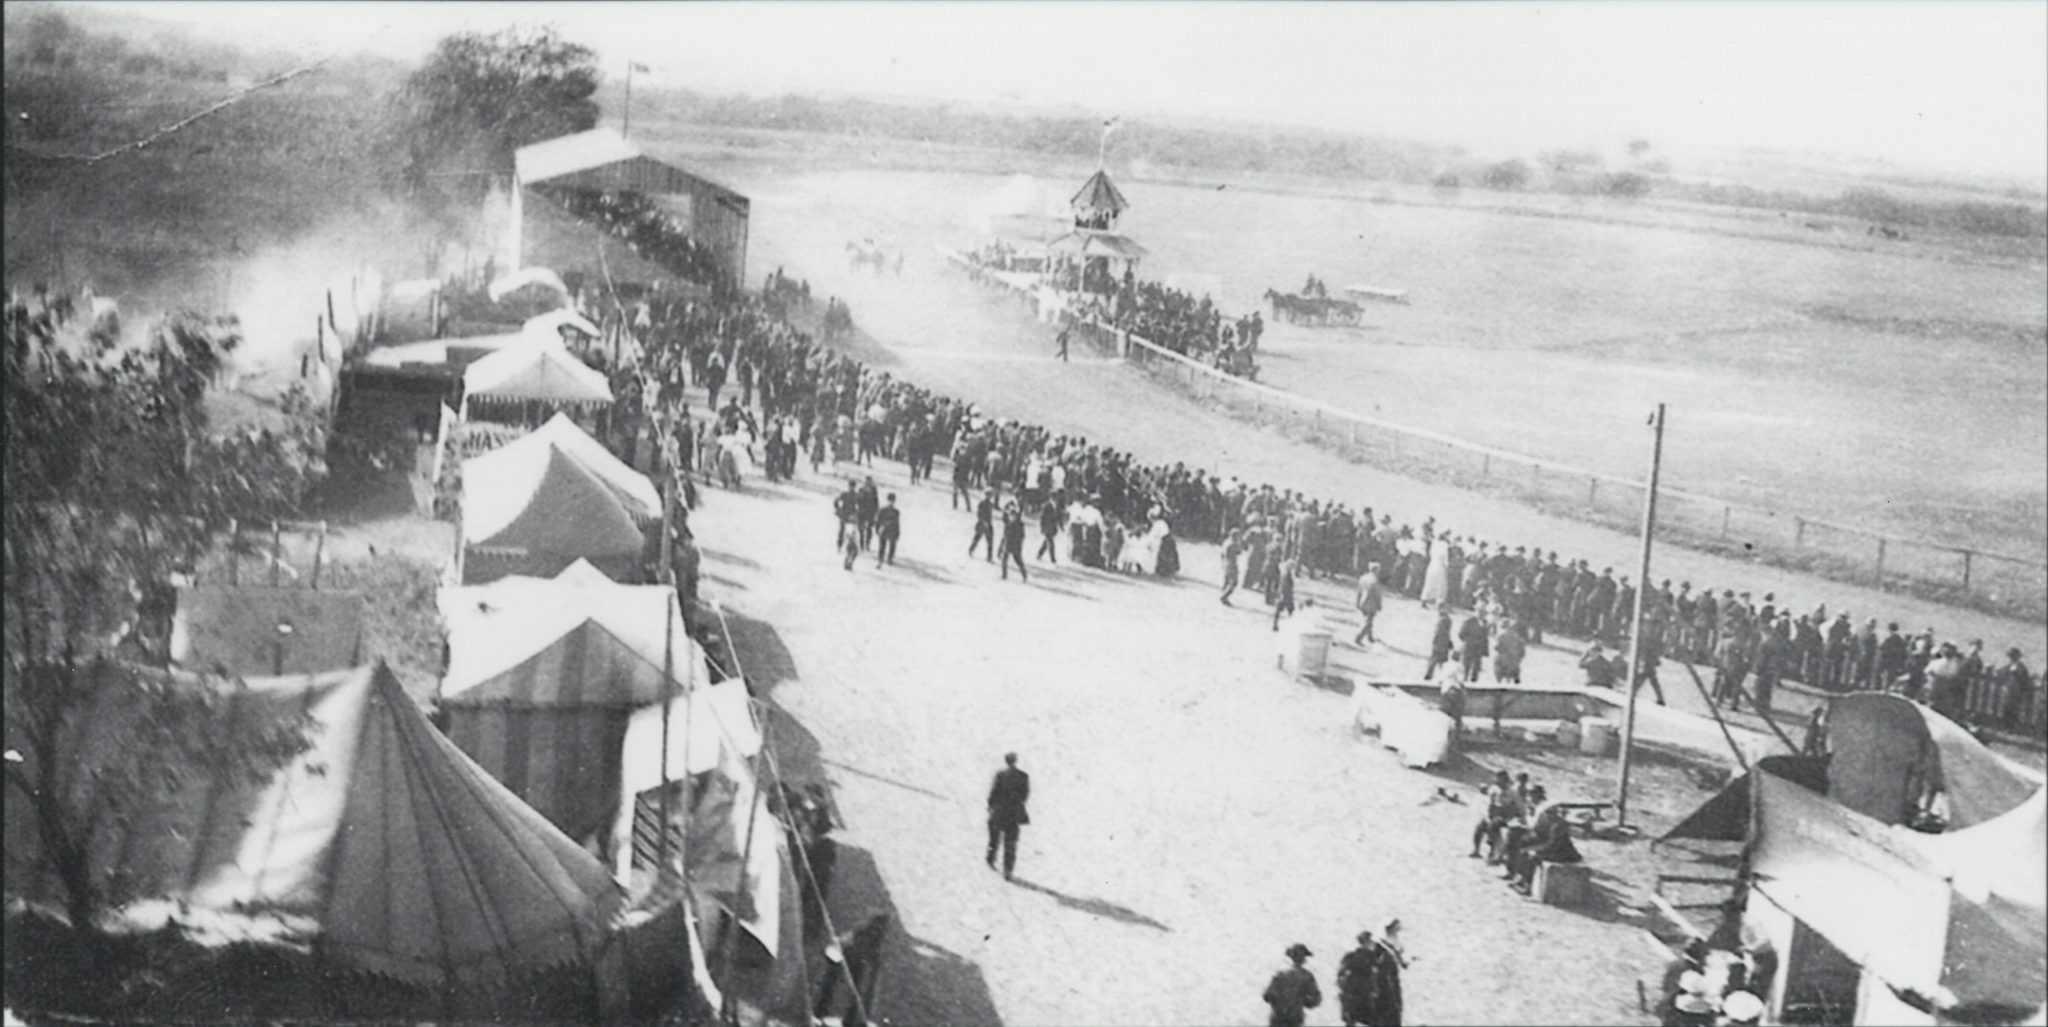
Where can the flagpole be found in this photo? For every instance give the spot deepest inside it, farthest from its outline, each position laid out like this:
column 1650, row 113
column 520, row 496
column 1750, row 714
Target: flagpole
column 1635, row 631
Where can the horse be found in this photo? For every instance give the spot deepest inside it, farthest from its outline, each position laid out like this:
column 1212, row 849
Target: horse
column 866, row 255
column 1293, row 309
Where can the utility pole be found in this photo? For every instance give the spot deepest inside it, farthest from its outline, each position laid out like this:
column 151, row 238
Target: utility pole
column 626, row 129
column 1635, row 628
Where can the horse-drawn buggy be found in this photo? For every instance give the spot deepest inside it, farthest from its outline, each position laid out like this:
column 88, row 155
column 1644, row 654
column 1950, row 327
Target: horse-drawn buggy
column 1297, row 308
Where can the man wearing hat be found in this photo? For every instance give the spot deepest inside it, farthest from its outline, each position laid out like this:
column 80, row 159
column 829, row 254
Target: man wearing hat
column 1357, row 975
column 1007, row 815
column 1293, row 991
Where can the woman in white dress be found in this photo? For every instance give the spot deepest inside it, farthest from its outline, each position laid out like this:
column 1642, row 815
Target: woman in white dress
column 1436, row 583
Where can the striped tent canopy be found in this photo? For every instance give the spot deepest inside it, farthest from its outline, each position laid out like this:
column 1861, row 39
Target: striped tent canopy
column 540, row 370
column 541, row 499
column 382, row 845
column 632, row 489
column 543, row 675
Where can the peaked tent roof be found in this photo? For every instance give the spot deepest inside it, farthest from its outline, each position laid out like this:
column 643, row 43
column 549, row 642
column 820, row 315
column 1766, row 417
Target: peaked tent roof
column 566, row 155
column 493, row 629
column 382, row 842
column 1099, row 193
column 541, row 370
column 544, row 501
column 633, row 489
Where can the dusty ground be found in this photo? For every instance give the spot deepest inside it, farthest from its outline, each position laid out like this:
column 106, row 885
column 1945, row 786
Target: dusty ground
column 1194, row 810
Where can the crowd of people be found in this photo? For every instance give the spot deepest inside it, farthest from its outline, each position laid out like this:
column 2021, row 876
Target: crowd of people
column 645, row 228
column 1121, row 512
column 1169, row 318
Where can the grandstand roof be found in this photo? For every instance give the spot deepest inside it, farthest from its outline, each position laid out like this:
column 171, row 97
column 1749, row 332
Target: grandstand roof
column 566, row 155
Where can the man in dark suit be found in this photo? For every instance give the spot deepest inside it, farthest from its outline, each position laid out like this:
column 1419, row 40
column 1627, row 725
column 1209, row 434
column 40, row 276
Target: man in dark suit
column 1006, row 813
column 888, row 528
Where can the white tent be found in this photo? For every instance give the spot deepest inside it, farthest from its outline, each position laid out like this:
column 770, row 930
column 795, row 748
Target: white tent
column 512, row 282
column 381, row 845
column 495, row 627
column 541, row 371
column 541, row 511
column 2005, row 856
column 633, row 490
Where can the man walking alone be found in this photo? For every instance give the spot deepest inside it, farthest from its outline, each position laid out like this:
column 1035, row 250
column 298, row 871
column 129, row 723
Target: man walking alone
column 1013, row 542
column 1371, row 596
column 1006, row 813
column 888, row 527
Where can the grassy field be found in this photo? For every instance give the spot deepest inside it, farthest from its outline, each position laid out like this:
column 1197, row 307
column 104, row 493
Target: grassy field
column 1899, row 386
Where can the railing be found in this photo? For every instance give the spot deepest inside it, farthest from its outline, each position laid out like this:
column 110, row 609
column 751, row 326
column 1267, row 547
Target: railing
column 1999, row 582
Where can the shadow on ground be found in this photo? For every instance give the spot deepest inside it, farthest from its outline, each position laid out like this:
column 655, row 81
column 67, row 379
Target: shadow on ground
column 921, row 983
column 764, row 659
column 1094, row 907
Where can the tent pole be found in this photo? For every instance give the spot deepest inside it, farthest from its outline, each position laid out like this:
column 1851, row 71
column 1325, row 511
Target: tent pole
column 1635, row 631
column 668, row 663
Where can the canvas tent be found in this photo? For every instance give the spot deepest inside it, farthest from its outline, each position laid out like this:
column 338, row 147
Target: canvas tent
column 538, row 509
column 381, row 847
column 632, row 489
column 540, row 371
column 544, row 674
column 1887, row 752
column 1924, row 953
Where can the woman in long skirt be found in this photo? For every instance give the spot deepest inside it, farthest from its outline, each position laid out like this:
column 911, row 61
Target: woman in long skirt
column 1436, row 583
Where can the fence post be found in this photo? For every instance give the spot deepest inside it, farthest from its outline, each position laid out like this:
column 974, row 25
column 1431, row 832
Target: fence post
column 319, row 548
column 1724, row 522
column 1592, row 490
column 1880, row 563
column 1798, row 531
column 1966, row 570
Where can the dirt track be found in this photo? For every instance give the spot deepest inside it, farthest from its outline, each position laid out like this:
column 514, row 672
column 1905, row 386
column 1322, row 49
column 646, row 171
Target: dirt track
column 949, row 334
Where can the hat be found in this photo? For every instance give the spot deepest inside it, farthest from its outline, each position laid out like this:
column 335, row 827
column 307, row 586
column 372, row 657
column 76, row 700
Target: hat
column 1365, row 937
column 1742, row 1005
column 1298, row 951
column 1696, row 1005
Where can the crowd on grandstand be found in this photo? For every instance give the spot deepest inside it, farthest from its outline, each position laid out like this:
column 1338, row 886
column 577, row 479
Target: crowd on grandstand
column 817, row 401
column 641, row 223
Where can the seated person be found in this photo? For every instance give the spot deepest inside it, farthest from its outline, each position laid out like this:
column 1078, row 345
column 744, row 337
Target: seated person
column 1516, row 832
column 1550, row 841
column 1600, row 671
column 1503, row 807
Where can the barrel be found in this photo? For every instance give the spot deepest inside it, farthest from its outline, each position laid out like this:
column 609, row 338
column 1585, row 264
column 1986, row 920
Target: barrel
column 1314, row 655
column 1567, row 734
column 1596, row 736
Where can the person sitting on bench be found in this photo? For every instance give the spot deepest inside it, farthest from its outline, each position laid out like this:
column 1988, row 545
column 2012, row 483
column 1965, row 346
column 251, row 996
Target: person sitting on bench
column 1503, row 807
column 1549, row 842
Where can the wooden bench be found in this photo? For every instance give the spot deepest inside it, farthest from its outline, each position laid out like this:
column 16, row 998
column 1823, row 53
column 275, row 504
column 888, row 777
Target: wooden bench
column 1562, row 884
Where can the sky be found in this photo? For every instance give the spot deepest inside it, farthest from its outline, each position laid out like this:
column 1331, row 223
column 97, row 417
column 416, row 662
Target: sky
column 1960, row 86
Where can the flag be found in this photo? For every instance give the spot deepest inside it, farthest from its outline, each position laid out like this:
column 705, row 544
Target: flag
column 637, row 66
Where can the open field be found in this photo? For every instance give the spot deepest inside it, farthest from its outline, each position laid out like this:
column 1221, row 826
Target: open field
column 1900, row 387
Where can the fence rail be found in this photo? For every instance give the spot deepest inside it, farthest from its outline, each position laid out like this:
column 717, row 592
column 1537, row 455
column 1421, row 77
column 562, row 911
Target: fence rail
column 2000, row 582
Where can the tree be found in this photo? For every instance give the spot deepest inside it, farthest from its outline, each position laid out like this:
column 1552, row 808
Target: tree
column 1507, row 174
column 1638, row 147
column 115, row 482
column 1628, row 184
column 480, row 97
